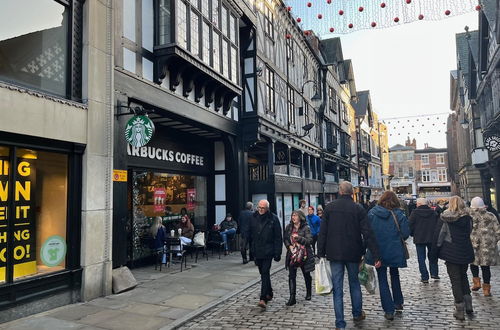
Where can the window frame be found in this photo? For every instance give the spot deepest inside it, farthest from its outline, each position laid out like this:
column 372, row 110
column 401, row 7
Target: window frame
column 268, row 22
column 440, row 155
column 270, row 91
column 426, row 173
column 291, row 106
column 426, row 156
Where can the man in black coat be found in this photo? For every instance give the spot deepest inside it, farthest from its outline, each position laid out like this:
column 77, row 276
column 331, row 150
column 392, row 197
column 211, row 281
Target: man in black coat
column 423, row 220
column 266, row 236
column 244, row 225
column 344, row 231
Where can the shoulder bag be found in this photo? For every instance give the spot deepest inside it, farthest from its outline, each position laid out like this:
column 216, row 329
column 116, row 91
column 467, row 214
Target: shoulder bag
column 405, row 248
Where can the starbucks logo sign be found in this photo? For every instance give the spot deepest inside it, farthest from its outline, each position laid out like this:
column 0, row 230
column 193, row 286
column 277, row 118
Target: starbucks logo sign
column 139, row 131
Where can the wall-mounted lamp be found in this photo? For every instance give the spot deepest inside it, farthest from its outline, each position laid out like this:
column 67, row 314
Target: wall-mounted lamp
column 316, row 99
column 133, row 109
column 464, row 123
column 307, row 128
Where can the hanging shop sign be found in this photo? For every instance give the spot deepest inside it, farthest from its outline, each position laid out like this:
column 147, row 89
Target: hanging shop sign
column 53, row 251
column 492, row 142
column 281, row 157
column 139, row 131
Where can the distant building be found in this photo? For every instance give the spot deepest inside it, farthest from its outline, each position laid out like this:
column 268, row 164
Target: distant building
column 432, row 172
column 402, row 169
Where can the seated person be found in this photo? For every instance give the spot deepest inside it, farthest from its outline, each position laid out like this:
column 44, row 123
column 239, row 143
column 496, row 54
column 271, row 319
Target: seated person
column 159, row 235
column 187, row 230
column 227, row 227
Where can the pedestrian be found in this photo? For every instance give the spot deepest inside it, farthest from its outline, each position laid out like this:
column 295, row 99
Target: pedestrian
column 391, row 228
column 485, row 236
column 314, row 223
column 423, row 221
column 244, row 224
column 319, row 212
column 491, row 209
column 228, row 227
column 303, row 207
column 341, row 239
column 265, row 235
column 299, row 254
column 440, row 206
column 451, row 243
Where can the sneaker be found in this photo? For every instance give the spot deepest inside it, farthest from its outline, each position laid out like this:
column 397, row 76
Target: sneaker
column 437, row 278
column 262, row 304
column 389, row 316
column 398, row 308
column 425, row 281
column 360, row 317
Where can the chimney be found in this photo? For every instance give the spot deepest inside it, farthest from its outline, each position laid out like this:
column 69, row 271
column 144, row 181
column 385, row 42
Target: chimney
column 414, row 144
column 426, row 145
column 408, row 143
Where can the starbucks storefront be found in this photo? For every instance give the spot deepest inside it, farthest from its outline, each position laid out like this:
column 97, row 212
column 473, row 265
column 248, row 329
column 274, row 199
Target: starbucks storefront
column 170, row 176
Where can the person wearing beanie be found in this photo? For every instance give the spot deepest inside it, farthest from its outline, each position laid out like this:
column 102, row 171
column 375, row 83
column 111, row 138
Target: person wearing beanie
column 314, row 223
column 484, row 237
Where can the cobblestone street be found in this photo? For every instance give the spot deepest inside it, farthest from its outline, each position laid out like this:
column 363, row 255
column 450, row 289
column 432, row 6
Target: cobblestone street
column 427, row 306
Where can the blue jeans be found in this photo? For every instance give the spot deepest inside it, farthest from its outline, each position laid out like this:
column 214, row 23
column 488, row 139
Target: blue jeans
column 389, row 301
column 337, row 268
column 433, row 267
column 224, row 235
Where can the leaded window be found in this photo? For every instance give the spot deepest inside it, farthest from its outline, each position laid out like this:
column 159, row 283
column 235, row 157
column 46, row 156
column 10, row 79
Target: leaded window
column 270, row 106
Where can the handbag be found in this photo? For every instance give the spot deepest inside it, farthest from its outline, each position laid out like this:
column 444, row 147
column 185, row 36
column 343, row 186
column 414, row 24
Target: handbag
column 405, row 248
column 298, row 255
column 199, row 239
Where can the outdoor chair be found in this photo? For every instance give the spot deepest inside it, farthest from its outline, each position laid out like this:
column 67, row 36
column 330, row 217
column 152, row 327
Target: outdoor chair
column 175, row 248
column 214, row 241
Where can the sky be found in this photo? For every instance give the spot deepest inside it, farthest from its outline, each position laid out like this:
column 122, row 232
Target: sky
column 407, row 70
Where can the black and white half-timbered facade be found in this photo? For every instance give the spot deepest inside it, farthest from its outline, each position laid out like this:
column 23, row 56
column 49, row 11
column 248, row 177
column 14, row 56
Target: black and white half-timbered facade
column 294, row 113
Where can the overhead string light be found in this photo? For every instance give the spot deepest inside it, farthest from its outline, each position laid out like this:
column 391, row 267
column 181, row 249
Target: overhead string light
column 344, row 16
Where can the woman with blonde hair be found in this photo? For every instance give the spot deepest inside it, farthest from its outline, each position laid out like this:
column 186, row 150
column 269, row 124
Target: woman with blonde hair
column 452, row 244
column 485, row 236
column 158, row 233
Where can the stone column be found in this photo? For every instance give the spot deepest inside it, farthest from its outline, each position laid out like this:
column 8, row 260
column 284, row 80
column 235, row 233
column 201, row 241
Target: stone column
column 96, row 239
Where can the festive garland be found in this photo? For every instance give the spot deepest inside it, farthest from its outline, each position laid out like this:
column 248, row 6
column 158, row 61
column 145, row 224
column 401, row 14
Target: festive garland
column 344, row 16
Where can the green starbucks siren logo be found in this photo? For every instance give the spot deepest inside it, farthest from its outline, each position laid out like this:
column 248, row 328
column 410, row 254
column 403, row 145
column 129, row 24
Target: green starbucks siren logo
column 139, row 131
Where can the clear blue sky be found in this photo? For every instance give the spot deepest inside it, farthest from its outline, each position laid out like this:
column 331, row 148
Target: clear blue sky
column 407, row 70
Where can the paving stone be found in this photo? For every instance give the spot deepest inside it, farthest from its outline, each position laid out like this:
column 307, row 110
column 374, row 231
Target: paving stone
column 43, row 323
column 187, row 301
column 75, row 312
column 132, row 321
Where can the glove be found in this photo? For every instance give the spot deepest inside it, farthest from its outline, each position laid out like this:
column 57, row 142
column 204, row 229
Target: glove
column 277, row 258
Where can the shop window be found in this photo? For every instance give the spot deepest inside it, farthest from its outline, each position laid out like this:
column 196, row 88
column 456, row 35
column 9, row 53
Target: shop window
column 165, row 195
column 33, row 227
column 34, row 51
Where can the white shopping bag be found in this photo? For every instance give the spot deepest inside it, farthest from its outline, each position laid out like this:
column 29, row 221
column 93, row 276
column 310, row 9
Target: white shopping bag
column 323, row 278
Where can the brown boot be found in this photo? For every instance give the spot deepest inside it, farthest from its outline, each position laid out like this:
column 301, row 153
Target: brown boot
column 476, row 284
column 486, row 290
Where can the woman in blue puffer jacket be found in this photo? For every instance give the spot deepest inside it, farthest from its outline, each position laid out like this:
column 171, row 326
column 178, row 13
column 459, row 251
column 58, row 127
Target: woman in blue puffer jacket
column 382, row 219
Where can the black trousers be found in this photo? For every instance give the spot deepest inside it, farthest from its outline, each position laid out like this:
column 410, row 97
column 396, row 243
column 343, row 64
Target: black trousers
column 245, row 244
column 484, row 269
column 292, row 274
column 459, row 281
column 265, row 277
column 313, row 245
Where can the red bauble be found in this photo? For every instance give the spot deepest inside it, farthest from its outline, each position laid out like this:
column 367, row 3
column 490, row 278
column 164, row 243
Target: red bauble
column 341, row 12
column 320, row 16
column 288, row 36
column 361, row 9
column 307, row 33
column 350, row 25
column 408, row 1
column 289, row 8
column 374, row 24
column 447, row 12
column 328, row 1
column 332, row 29
column 396, row 19
column 478, row 7
column 420, row 17
column 309, row 4
column 299, row 19
column 382, row 5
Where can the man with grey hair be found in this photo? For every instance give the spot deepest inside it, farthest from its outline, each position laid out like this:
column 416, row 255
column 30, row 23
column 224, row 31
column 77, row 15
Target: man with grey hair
column 267, row 243
column 422, row 223
column 342, row 236
column 244, row 224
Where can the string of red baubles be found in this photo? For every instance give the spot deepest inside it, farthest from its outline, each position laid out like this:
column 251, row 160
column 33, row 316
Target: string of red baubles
column 361, row 9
